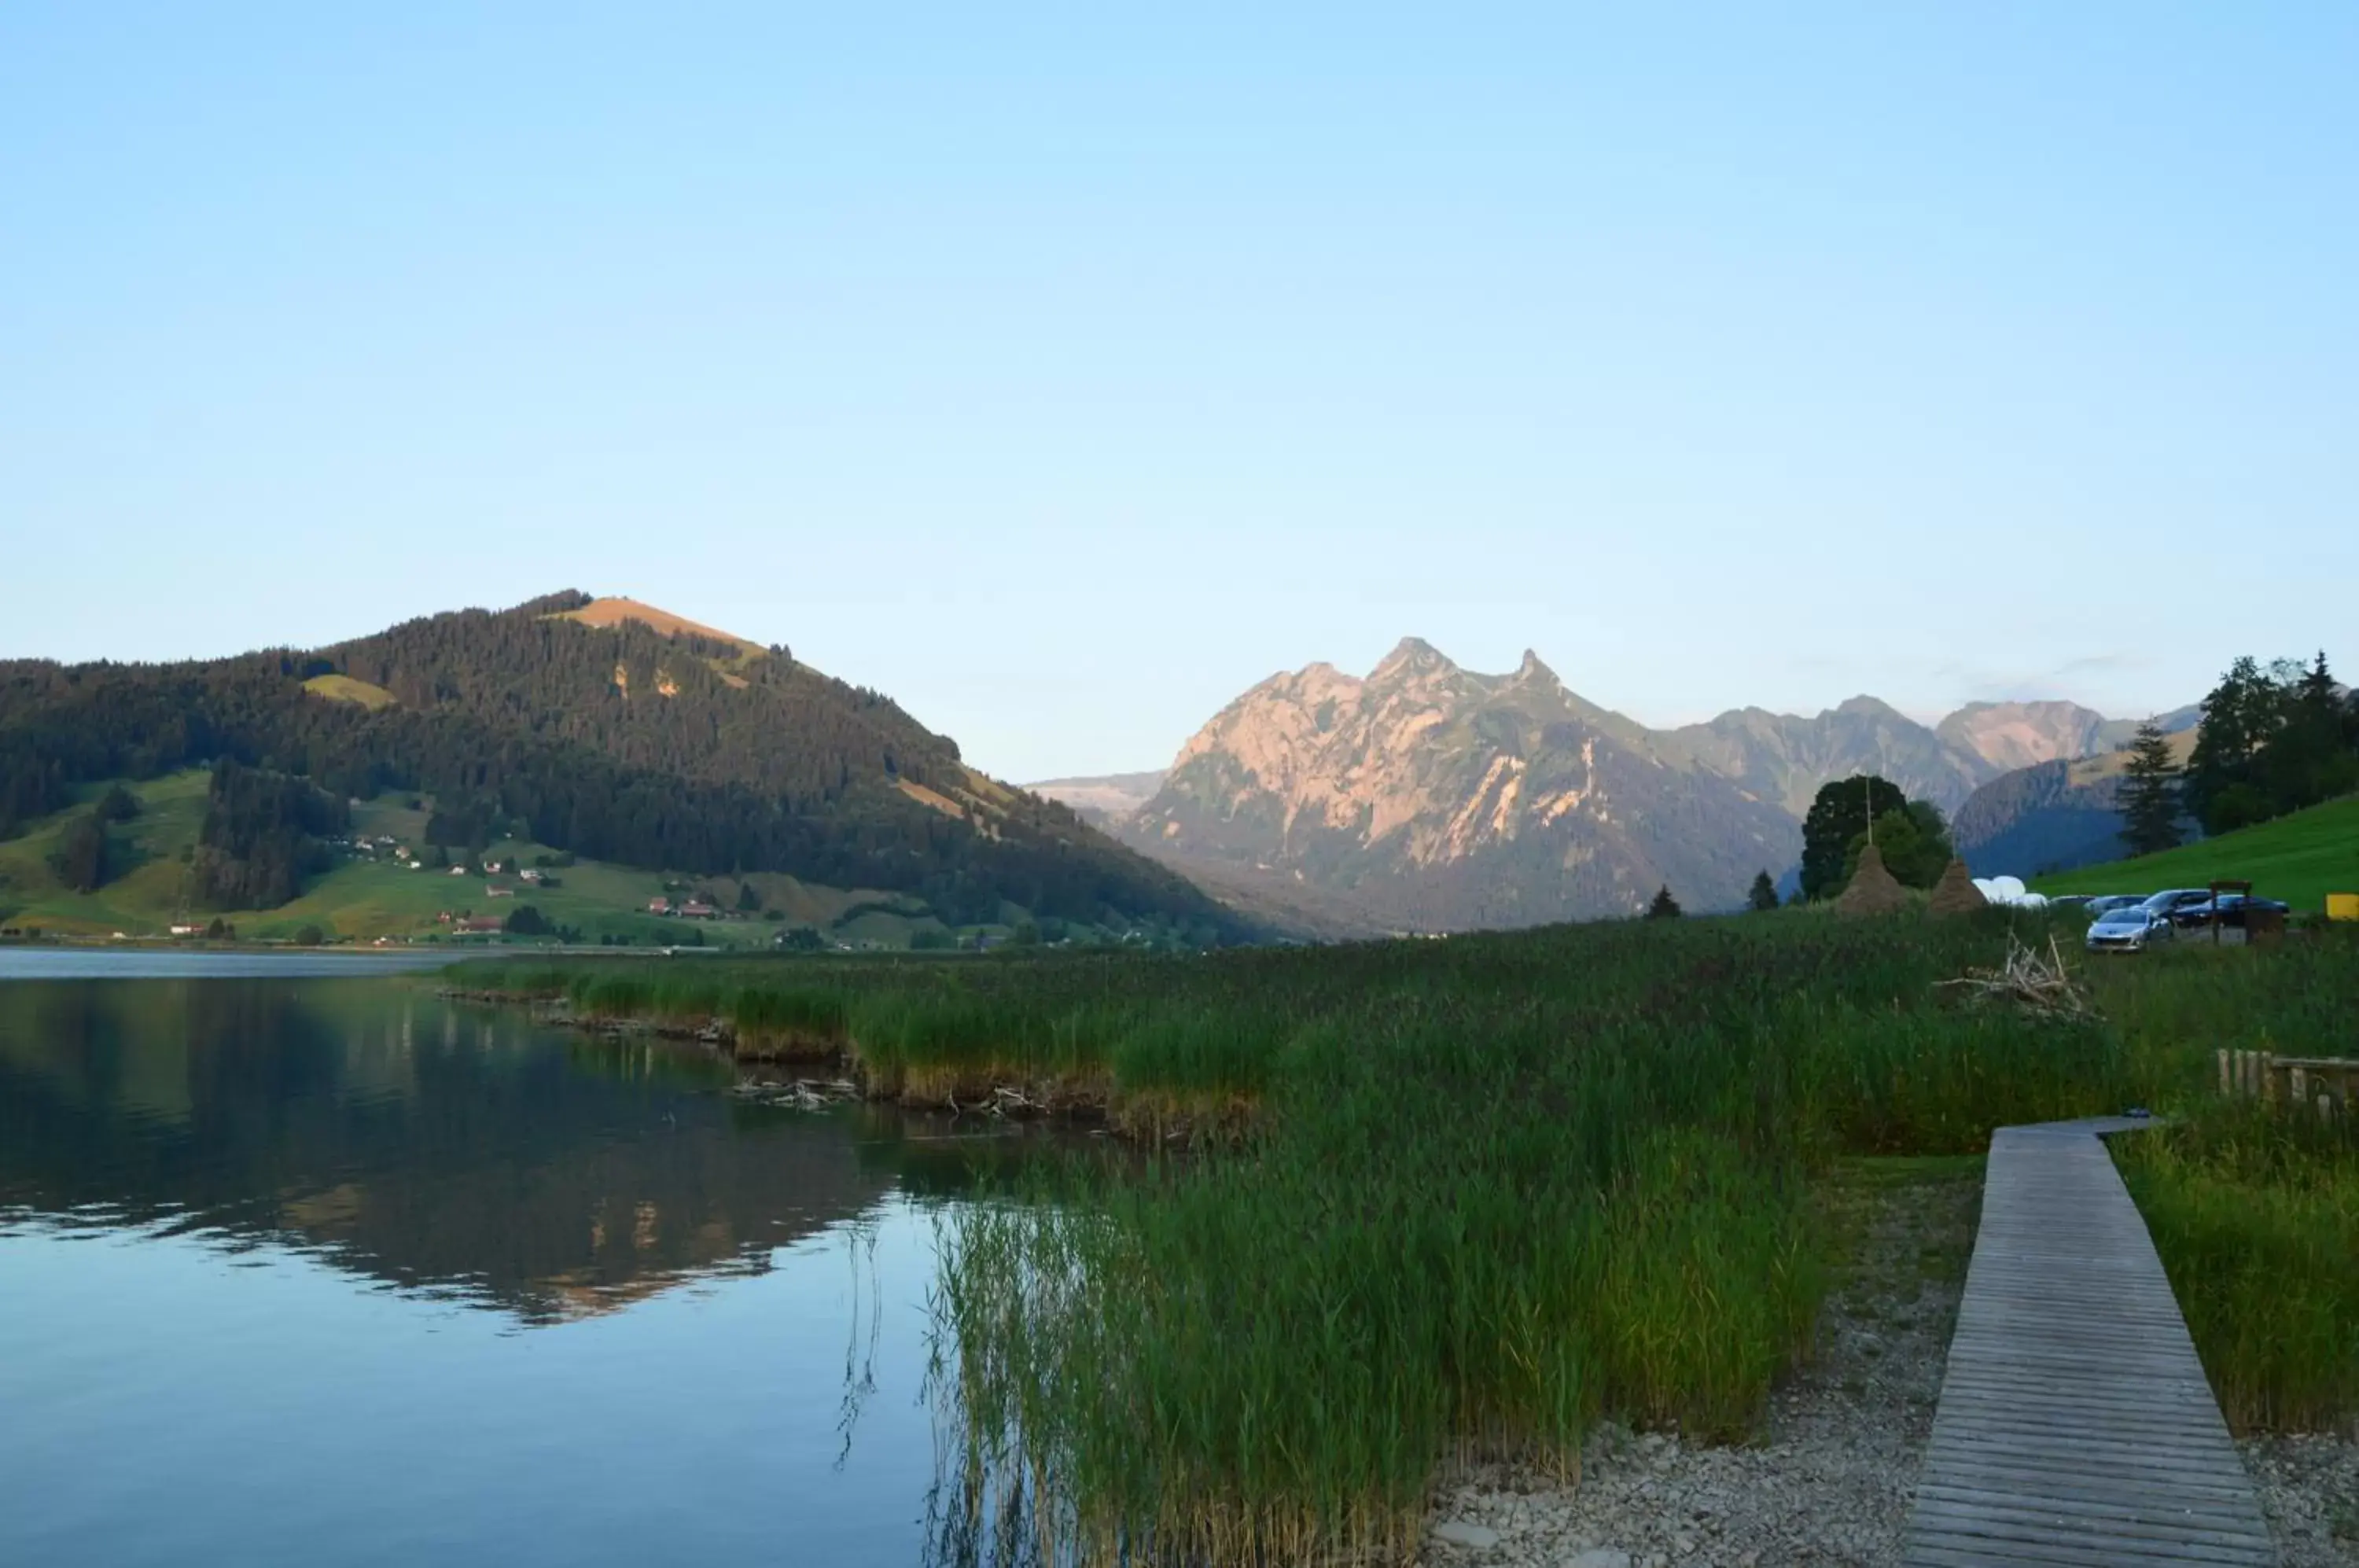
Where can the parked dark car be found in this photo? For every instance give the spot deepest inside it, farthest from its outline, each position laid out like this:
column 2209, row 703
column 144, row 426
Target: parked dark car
column 2230, row 911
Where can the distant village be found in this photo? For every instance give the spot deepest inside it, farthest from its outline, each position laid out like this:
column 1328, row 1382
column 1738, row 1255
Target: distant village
column 508, row 877
column 502, row 879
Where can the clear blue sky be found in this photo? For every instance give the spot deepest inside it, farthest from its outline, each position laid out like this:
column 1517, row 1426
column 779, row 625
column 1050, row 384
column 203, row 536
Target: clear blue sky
column 1062, row 373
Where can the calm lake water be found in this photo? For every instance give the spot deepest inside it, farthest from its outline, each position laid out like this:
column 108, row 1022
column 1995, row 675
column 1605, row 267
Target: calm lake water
column 299, row 1266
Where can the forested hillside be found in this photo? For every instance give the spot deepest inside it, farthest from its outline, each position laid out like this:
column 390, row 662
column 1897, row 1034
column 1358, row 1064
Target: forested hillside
column 617, row 741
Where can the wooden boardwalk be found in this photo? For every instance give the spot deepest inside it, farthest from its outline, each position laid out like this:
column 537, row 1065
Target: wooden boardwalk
column 2075, row 1427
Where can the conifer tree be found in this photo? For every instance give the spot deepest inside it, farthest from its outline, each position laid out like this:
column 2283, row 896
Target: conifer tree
column 2240, row 716
column 1665, row 907
column 2149, row 797
column 1763, row 895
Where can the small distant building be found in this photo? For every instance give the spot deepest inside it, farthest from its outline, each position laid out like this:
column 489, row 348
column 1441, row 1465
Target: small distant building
column 491, row 865
column 458, row 871
column 528, row 875
column 493, row 890
column 698, row 909
column 188, row 930
column 480, row 924
column 658, row 906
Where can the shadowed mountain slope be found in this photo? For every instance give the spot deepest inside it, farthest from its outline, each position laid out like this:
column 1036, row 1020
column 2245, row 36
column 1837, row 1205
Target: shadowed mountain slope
column 607, row 728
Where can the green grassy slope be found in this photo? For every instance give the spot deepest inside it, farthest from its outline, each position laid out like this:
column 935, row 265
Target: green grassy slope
column 142, row 897
column 2300, row 858
column 364, row 899
column 344, row 689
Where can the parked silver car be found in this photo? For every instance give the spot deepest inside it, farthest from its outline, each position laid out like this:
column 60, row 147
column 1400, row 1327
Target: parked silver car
column 2133, row 927
column 2106, row 903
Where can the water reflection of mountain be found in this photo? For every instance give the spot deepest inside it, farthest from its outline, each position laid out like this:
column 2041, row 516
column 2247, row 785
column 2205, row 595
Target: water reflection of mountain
column 431, row 1146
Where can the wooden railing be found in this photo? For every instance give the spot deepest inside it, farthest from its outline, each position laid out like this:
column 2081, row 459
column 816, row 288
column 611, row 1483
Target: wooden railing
column 2328, row 1082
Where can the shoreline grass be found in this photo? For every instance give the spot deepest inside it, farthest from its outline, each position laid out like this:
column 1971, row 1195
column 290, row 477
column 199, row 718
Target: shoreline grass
column 2254, row 1213
column 1470, row 1196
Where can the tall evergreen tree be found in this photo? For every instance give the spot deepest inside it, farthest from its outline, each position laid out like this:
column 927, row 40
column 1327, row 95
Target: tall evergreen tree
column 1665, row 907
column 2316, row 686
column 2272, row 741
column 2150, row 796
column 2240, row 716
column 1763, row 895
column 2314, row 753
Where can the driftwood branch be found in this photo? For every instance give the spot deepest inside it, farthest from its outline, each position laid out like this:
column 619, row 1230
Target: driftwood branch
column 801, row 1095
column 2036, row 983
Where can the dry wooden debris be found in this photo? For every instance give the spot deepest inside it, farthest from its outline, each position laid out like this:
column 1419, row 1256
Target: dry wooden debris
column 801, row 1095
column 2036, row 983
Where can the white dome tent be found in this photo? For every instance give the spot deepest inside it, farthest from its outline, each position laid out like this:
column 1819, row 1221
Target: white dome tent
column 2010, row 890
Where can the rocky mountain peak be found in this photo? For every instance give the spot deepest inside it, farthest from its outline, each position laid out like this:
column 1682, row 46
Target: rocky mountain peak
column 2024, row 735
column 1412, row 657
column 1428, row 796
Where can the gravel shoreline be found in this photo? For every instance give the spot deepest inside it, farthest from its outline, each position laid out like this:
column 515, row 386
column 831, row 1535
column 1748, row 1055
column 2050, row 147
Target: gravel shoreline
column 1831, row 1479
column 2309, row 1493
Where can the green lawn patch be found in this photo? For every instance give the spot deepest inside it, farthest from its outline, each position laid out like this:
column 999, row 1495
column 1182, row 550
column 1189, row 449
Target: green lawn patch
column 345, row 689
column 361, row 897
column 2300, row 859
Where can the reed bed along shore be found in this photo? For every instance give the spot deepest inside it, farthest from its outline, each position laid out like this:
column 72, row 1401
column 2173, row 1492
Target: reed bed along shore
column 2255, row 1210
column 1471, row 1195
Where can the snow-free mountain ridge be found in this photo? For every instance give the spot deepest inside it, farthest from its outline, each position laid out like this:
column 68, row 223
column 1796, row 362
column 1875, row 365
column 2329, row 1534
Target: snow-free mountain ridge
column 1424, row 796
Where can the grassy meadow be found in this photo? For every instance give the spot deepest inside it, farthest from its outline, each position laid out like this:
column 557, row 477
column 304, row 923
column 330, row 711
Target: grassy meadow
column 361, row 899
column 145, row 893
column 2300, row 859
column 1407, row 1203
column 2255, row 1213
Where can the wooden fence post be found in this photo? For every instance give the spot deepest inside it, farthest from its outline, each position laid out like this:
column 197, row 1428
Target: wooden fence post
column 2226, row 1087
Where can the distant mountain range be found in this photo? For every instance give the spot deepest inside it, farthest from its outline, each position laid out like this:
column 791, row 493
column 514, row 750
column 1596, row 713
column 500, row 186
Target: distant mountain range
column 1105, row 798
column 1426, row 797
column 2057, row 815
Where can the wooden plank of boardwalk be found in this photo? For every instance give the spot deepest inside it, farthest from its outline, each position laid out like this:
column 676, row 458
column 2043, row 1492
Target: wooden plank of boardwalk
column 2075, row 1427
